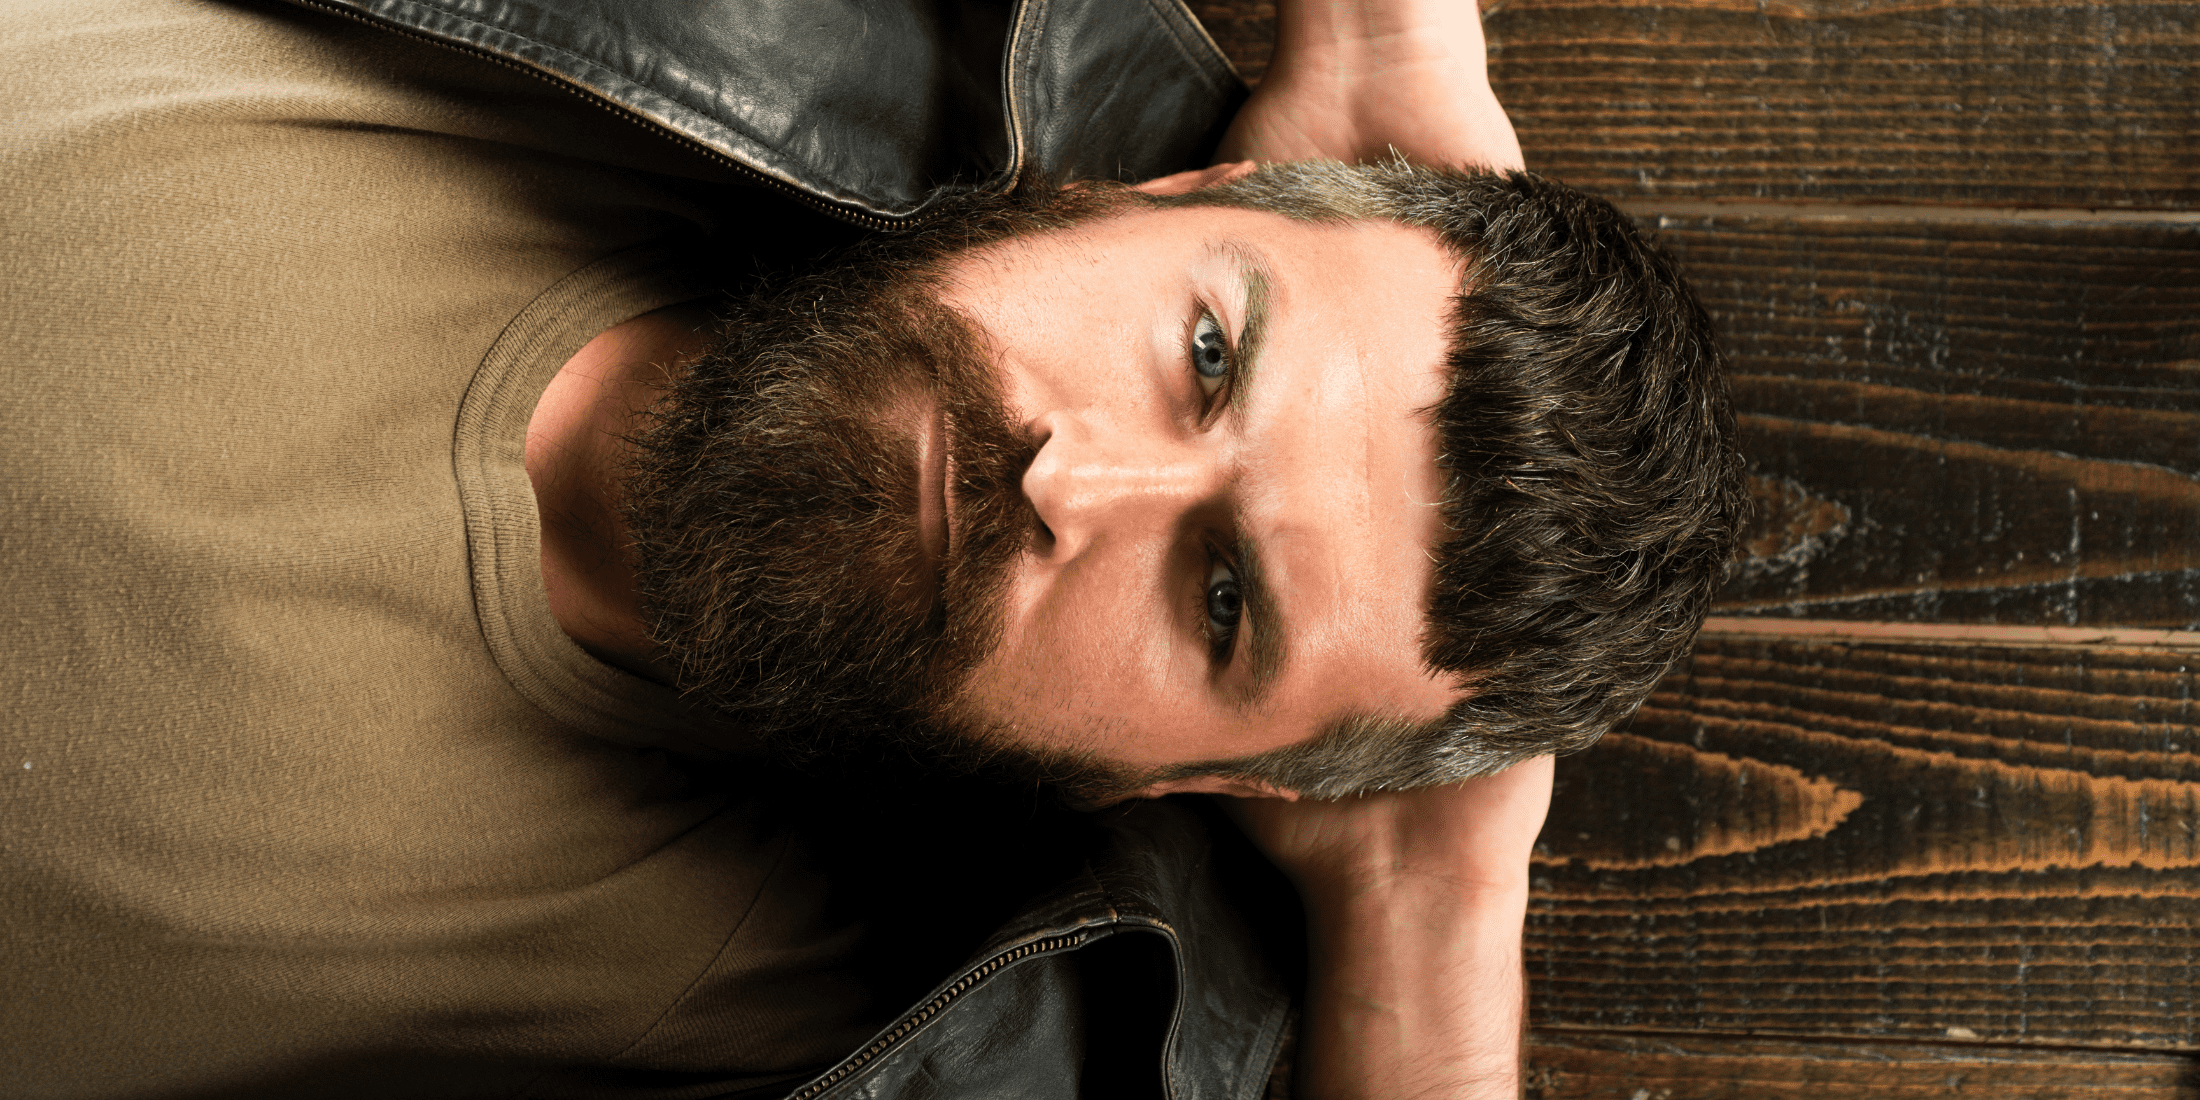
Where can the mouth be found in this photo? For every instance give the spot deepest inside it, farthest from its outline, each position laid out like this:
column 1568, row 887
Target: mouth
column 934, row 464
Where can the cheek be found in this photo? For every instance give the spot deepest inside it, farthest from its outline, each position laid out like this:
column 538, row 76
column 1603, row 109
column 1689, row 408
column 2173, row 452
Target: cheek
column 1078, row 652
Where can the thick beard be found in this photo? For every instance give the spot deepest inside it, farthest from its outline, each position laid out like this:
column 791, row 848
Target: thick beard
column 774, row 515
column 772, row 504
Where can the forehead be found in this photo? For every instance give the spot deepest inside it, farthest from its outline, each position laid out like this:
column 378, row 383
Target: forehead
column 1338, row 464
column 1330, row 453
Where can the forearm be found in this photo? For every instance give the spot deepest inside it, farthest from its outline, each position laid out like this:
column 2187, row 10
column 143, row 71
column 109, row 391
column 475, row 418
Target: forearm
column 1416, row 992
column 1414, row 902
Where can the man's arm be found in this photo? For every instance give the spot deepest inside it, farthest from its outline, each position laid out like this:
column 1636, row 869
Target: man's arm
column 1415, row 901
column 1352, row 80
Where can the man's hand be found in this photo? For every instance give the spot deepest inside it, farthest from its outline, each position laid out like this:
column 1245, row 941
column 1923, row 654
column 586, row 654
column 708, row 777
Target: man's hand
column 1415, row 902
column 1354, row 79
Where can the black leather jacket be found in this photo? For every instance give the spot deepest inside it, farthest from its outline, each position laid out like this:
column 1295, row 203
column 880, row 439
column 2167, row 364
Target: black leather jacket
column 869, row 111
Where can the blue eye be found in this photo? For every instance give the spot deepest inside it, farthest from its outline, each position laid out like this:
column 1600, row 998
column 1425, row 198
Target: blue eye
column 1210, row 354
column 1225, row 606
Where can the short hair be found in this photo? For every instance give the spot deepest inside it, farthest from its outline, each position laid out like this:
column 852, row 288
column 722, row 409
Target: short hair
column 1593, row 486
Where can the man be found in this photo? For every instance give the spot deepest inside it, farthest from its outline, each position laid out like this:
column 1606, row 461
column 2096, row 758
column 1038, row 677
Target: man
column 1131, row 490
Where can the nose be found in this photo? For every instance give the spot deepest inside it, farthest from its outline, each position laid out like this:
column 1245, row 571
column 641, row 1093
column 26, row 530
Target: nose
column 1093, row 481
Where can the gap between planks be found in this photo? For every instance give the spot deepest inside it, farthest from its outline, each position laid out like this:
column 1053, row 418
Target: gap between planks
column 1870, row 211
column 1565, row 1032
column 1952, row 633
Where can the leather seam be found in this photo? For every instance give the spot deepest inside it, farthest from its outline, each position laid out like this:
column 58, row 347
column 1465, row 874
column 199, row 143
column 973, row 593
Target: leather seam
column 589, row 74
column 1173, row 15
column 1214, row 49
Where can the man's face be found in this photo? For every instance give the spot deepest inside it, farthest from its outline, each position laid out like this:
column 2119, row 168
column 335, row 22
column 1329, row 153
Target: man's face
column 1187, row 476
column 1149, row 490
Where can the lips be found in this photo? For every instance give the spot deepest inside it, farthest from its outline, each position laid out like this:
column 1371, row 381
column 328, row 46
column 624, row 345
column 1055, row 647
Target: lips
column 934, row 462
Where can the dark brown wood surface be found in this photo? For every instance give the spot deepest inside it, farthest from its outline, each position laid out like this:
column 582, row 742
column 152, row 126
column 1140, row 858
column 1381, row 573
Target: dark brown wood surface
column 1838, row 100
column 1856, row 100
column 1888, row 840
column 1597, row 1065
column 1960, row 419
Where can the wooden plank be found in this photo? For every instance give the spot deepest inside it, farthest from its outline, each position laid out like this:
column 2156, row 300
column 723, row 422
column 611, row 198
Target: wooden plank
column 1954, row 633
column 2071, row 312
column 1837, row 100
column 1886, row 840
column 1569, row 1065
column 1960, row 420
column 1941, row 101
column 1868, row 524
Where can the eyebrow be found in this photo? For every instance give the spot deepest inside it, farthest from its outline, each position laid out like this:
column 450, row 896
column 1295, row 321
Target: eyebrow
column 1259, row 281
column 1266, row 644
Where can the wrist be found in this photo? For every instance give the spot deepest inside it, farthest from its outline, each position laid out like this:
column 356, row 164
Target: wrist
column 1312, row 24
column 1343, row 39
column 1416, row 992
column 1424, row 912
column 1395, row 864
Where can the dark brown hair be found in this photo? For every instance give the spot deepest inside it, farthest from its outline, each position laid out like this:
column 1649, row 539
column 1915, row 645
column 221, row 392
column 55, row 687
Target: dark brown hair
column 1594, row 489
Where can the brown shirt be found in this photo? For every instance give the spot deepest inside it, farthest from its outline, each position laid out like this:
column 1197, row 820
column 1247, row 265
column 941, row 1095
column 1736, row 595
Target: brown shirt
column 302, row 791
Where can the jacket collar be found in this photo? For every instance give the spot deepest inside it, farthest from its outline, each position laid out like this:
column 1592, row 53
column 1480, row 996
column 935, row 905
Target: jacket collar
column 1014, row 1020
column 870, row 111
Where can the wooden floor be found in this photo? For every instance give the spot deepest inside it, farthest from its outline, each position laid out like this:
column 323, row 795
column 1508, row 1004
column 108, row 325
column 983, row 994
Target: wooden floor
column 1922, row 815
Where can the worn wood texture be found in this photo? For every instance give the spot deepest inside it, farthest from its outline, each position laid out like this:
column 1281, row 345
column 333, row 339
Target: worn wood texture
column 1565, row 1065
column 1943, row 101
column 1952, row 101
column 1884, row 839
column 1961, row 420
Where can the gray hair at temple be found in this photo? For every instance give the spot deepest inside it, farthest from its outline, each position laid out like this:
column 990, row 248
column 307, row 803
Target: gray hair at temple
column 1593, row 487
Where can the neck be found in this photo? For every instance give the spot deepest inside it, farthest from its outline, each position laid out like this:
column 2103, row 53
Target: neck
column 576, row 448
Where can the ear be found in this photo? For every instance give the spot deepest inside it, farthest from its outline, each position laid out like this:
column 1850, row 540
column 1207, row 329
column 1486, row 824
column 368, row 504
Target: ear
column 1216, row 784
column 1195, row 179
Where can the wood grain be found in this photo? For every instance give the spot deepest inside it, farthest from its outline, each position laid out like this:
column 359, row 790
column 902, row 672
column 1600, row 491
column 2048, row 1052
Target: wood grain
column 1566, row 1065
column 2073, row 313
column 1837, row 100
column 1889, row 840
column 1961, row 420
column 1856, row 100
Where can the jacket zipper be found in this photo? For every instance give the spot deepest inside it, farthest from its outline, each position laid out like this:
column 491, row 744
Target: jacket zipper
column 823, row 206
column 884, row 1043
